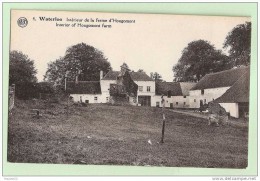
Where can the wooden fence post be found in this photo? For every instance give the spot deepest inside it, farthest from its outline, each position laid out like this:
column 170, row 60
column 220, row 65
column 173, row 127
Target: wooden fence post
column 163, row 117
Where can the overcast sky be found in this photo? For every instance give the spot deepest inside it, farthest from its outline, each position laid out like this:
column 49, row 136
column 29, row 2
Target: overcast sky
column 153, row 43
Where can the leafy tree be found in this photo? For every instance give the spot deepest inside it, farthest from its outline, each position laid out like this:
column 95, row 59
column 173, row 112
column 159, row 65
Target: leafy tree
column 22, row 69
column 141, row 71
column 125, row 66
column 80, row 60
column 156, row 76
column 238, row 43
column 22, row 73
column 56, row 71
column 45, row 87
column 198, row 59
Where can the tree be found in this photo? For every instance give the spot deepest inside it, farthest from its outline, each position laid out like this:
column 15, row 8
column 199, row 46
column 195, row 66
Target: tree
column 80, row 60
column 198, row 59
column 22, row 73
column 141, row 71
column 125, row 65
column 21, row 69
column 45, row 87
column 56, row 71
column 238, row 43
column 156, row 76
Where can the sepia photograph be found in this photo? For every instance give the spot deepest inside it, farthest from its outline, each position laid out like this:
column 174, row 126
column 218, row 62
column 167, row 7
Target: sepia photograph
column 148, row 90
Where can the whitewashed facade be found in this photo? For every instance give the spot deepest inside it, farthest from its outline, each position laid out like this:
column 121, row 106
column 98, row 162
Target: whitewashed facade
column 229, row 88
column 175, row 94
column 231, row 108
column 205, row 95
column 88, row 98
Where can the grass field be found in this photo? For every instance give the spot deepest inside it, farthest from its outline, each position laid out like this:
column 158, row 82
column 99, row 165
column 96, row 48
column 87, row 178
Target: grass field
column 104, row 134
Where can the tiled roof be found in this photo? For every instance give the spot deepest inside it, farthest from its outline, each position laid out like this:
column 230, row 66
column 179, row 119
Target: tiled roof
column 136, row 76
column 239, row 92
column 84, row 87
column 186, row 86
column 162, row 88
column 176, row 88
column 220, row 79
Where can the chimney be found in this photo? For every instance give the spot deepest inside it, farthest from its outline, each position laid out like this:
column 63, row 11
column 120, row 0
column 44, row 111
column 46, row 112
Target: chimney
column 101, row 74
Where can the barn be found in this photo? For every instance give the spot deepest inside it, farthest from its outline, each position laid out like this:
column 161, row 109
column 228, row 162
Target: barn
column 214, row 85
column 236, row 99
column 175, row 94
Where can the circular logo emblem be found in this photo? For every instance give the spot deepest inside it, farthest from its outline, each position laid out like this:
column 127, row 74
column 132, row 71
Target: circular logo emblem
column 22, row 22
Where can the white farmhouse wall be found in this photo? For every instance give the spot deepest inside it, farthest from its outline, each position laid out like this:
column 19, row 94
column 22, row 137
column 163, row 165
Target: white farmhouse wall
column 145, row 84
column 232, row 108
column 89, row 97
column 180, row 101
column 156, row 100
column 105, row 85
column 208, row 96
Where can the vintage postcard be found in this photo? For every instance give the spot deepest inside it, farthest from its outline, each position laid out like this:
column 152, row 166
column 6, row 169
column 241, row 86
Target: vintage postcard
column 129, row 89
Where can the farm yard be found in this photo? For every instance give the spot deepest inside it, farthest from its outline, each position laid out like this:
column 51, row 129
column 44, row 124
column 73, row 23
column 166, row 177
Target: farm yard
column 103, row 134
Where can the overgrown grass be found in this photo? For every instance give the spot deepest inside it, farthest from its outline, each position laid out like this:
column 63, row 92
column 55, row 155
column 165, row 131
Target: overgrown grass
column 104, row 134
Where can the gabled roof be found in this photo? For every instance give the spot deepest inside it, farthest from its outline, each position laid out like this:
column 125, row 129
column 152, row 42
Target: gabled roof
column 136, row 76
column 162, row 88
column 186, row 86
column 84, row 87
column 175, row 88
column 224, row 78
column 239, row 92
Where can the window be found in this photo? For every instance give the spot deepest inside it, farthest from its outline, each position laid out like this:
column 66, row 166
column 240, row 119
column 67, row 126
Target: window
column 169, row 94
column 107, row 98
column 95, row 98
column 140, row 88
column 184, row 96
column 202, row 91
column 205, row 101
column 177, row 103
column 184, row 103
column 148, row 88
column 194, row 100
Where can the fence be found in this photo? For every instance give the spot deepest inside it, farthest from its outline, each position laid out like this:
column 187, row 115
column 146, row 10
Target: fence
column 11, row 96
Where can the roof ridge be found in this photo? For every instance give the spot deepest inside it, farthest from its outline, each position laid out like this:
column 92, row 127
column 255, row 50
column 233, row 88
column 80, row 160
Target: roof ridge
column 232, row 69
column 239, row 78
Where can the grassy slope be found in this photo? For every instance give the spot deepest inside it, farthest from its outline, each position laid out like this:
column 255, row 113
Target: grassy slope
column 103, row 134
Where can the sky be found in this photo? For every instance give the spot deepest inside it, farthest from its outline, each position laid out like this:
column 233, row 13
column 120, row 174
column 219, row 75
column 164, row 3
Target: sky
column 153, row 42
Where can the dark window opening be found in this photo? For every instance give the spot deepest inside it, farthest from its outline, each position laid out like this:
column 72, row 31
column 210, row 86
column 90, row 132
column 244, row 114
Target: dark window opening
column 202, row 91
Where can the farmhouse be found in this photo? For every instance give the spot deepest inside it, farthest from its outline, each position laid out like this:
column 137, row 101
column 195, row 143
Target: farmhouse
column 146, row 85
column 236, row 99
column 136, row 87
column 214, row 85
column 175, row 94
column 85, row 91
